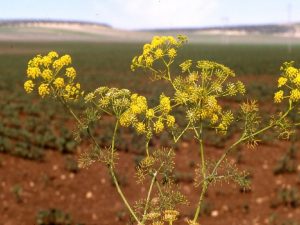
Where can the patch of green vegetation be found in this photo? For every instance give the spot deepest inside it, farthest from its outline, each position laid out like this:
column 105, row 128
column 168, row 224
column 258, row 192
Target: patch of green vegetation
column 108, row 64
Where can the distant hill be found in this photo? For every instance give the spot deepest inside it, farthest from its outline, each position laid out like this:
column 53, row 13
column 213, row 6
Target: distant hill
column 59, row 30
column 36, row 22
column 262, row 29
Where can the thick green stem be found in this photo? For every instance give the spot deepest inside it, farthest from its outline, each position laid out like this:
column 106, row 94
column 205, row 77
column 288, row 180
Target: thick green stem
column 114, row 139
column 203, row 169
column 147, row 146
column 198, row 209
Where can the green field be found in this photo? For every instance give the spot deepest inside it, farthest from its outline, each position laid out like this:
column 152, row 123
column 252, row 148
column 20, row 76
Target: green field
column 101, row 64
column 107, row 63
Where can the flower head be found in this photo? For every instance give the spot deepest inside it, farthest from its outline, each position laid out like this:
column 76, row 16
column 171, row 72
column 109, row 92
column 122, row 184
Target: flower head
column 71, row 72
column 28, row 86
column 44, row 90
column 59, row 83
column 278, row 96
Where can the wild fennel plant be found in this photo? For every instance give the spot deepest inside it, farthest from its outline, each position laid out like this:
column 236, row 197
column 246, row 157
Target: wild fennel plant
column 197, row 92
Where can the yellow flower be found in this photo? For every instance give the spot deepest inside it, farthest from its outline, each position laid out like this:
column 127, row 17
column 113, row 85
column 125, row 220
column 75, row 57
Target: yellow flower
column 291, row 72
column 297, row 79
column 156, row 41
column 57, row 64
column 127, row 118
column 135, row 109
column 44, row 90
column 282, row 81
column 33, row 72
column 193, row 77
column 172, row 40
column 214, row 119
column 172, row 53
column 53, row 54
column 72, row 91
column 278, row 96
column 71, row 72
column 159, row 53
column 164, row 104
column 191, row 222
column 240, row 87
column 158, row 126
column 146, row 49
column 170, row 121
column 149, row 60
column 66, row 60
column 140, row 128
column 170, row 215
column 46, row 61
column 35, row 62
column 134, row 96
column 59, row 83
column 138, row 104
column 47, row 74
column 186, row 65
column 103, row 102
column 158, row 223
column 152, row 215
column 295, row 95
column 149, row 113
column 28, row 86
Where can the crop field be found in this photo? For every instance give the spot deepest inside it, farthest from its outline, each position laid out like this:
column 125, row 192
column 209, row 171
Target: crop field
column 39, row 175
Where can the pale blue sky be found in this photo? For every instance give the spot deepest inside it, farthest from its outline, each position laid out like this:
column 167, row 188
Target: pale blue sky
column 137, row 14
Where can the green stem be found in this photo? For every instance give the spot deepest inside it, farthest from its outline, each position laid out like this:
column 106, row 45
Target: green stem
column 242, row 138
column 113, row 140
column 112, row 172
column 148, row 196
column 184, row 130
column 147, row 146
column 204, row 188
column 121, row 194
column 203, row 169
column 110, row 167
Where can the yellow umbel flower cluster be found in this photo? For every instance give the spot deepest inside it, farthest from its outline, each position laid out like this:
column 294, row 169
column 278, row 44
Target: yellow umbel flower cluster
column 289, row 82
column 161, row 47
column 28, row 86
column 148, row 120
column 170, row 215
column 202, row 87
column 45, row 72
column 197, row 89
column 132, row 110
column 113, row 101
column 191, row 222
column 152, row 216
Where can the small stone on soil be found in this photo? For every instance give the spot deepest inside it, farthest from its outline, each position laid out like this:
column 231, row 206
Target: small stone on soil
column 89, row 195
column 214, row 213
column 94, row 216
column 55, row 167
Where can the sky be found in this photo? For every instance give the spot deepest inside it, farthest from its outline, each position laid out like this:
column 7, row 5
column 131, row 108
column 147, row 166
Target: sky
column 149, row 14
